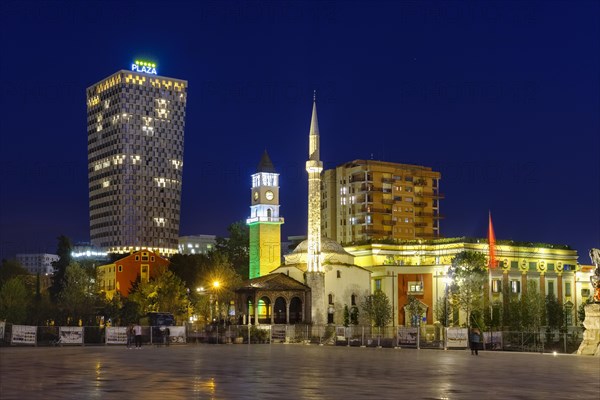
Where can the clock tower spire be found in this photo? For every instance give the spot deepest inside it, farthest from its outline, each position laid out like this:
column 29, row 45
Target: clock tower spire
column 264, row 220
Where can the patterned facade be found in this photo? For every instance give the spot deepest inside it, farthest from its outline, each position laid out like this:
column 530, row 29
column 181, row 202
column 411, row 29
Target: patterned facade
column 366, row 200
column 135, row 126
column 419, row 268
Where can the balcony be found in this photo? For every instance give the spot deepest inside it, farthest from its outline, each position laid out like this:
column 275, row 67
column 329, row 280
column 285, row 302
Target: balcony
column 387, row 201
column 420, row 182
column 428, row 215
column 388, row 223
column 387, row 180
column 420, row 204
column 253, row 220
column 430, row 195
column 420, row 224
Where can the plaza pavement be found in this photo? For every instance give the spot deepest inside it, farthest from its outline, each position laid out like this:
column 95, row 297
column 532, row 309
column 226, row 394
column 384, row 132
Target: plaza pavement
column 290, row 371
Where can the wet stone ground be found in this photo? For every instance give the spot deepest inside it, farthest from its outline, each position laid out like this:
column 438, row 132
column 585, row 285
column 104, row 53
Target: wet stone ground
column 290, row 371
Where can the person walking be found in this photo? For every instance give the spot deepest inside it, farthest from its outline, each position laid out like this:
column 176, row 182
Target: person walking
column 475, row 339
column 130, row 335
column 167, row 336
column 138, row 336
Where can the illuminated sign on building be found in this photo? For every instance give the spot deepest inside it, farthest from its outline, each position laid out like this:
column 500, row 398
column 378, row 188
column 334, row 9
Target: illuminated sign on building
column 144, row 66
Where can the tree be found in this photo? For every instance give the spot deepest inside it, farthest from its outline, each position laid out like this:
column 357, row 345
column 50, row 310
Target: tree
column 532, row 307
column 165, row 293
column 415, row 310
column 190, row 268
column 10, row 269
column 14, row 300
column 236, row 247
column 378, row 308
column 77, row 298
column 63, row 251
column 468, row 275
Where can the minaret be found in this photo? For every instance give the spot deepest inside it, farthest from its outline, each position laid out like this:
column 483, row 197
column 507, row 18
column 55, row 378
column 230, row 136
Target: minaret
column 315, row 277
column 264, row 221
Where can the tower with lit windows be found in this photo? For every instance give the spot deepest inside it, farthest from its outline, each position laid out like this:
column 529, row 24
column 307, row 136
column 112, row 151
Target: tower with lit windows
column 135, row 129
column 264, row 221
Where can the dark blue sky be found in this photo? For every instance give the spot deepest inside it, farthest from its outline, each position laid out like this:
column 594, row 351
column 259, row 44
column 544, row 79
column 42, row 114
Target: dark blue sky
column 503, row 98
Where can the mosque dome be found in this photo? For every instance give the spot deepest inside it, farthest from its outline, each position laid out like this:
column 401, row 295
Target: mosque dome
column 333, row 253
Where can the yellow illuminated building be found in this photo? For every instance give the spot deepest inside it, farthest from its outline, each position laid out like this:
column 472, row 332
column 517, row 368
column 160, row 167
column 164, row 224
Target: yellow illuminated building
column 366, row 199
column 419, row 268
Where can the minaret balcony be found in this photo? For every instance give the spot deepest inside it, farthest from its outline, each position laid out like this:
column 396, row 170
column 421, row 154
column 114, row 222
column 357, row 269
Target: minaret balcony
column 278, row 220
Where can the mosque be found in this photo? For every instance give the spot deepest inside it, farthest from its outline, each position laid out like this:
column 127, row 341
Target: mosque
column 319, row 279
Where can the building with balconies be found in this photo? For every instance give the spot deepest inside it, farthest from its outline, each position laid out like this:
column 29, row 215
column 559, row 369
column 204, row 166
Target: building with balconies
column 376, row 200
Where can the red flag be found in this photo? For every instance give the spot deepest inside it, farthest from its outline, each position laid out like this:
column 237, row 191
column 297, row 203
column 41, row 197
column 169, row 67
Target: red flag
column 492, row 243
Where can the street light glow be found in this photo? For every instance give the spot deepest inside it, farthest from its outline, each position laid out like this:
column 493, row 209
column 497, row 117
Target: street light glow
column 216, row 284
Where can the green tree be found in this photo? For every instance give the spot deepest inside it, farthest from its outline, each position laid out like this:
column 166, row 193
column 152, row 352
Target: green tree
column 532, row 307
column 346, row 315
column 236, row 247
column 63, row 251
column 190, row 268
column 77, row 298
column 468, row 274
column 10, row 269
column 415, row 310
column 554, row 312
column 378, row 308
column 442, row 311
column 165, row 293
column 14, row 301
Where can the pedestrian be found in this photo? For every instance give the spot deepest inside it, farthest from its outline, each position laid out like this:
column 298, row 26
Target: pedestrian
column 475, row 339
column 130, row 335
column 167, row 336
column 138, row 336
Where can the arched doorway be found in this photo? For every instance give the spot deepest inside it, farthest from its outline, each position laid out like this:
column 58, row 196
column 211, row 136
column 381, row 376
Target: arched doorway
column 295, row 310
column 264, row 310
column 280, row 311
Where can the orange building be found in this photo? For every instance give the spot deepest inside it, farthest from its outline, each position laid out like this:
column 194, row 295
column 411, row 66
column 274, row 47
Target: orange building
column 120, row 275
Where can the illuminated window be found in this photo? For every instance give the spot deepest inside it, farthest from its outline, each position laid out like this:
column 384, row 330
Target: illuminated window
column 415, row 287
column 105, row 184
column 496, row 286
column 515, row 286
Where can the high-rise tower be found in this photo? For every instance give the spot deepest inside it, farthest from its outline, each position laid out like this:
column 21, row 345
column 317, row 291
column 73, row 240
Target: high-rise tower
column 135, row 125
column 264, row 221
column 315, row 278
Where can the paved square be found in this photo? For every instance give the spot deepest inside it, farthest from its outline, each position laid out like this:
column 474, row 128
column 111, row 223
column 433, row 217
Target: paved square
column 291, row 371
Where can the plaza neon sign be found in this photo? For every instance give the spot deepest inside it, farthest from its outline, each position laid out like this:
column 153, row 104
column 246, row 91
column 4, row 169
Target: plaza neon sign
column 144, row 66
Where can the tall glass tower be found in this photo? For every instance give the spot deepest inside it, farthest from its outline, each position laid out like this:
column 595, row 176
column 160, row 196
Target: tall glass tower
column 135, row 125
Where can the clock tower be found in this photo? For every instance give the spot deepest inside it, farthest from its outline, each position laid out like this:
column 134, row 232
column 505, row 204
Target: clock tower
column 264, row 220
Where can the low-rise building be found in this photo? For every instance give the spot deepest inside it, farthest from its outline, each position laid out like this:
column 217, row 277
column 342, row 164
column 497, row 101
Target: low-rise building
column 420, row 268
column 197, row 244
column 38, row 263
column 120, row 275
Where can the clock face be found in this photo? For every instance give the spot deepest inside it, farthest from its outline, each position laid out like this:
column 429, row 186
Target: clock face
column 255, row 196
column 269, row 195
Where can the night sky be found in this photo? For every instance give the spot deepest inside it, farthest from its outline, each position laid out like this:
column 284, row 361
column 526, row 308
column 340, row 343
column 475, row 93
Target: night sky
column 503, row 98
